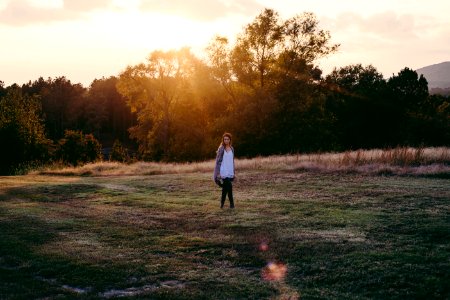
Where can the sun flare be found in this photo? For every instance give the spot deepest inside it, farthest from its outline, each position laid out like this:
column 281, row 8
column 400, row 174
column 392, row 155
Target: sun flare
column 152, row 30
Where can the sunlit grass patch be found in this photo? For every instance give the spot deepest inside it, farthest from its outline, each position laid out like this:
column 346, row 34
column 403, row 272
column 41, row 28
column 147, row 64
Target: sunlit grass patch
column 397, row 161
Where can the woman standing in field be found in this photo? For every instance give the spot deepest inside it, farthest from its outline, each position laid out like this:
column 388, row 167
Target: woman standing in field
column 224, row 169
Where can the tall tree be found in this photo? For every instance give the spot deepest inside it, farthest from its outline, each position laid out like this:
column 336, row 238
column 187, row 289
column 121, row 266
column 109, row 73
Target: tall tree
column 21, row 131
column 272, row 76
column 62, row 103
column 269, row 44
column 106, row 112
column 436, row 116
column 304, row 38
column 2, row 89
column 153, row 90
column 257, row 48
column 366, row 117
column 219, row 55
column 409, row 89
column 409, row 92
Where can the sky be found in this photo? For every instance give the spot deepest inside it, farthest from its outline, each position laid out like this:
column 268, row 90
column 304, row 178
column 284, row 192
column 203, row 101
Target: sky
column 88, row 39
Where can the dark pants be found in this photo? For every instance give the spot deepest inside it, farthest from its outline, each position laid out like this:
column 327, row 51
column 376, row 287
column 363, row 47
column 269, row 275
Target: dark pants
column 227, row 189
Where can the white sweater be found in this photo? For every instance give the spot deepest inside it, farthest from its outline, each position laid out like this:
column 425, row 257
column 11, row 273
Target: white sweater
column 227, row 166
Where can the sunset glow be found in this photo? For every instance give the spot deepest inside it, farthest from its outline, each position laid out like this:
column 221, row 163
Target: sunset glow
column 83, row 40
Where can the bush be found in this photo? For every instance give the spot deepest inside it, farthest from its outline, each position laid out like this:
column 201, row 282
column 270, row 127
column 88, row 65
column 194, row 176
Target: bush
column 76, row 148
column 118, row 153
column 93, row 148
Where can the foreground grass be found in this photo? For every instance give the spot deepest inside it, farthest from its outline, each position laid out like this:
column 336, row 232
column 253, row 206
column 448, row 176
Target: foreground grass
column 162, row 236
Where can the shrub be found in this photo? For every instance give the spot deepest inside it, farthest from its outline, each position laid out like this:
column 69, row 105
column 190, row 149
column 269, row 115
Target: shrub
column 76, row 148
column 118, row 152
column 93, row 148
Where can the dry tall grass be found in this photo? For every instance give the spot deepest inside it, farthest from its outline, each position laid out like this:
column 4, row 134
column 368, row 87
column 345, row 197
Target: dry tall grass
column 398, row 161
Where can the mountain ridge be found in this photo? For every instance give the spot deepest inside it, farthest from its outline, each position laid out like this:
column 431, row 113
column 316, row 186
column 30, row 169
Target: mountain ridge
column 437, row 75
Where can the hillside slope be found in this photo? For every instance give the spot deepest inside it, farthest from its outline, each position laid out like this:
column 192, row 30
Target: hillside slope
column 438, row 75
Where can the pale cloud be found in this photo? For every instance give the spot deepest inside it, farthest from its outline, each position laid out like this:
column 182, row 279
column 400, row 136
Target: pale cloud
column 391, row 25
column 22, row 12
column 25, row 12
column 387, row 25
column 86, row 5
column 388, row 40
column 204, row 10
column 28, row 12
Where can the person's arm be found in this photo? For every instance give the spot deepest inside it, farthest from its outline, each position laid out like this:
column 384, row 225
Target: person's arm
column 234, row 167
column 219, row 158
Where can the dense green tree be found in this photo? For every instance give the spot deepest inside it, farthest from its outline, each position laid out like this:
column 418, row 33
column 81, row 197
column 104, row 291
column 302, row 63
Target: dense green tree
column 365, row 116
column 357, row 80
column 409, row 92
column 63, row 104
column 436, row 112
column 301, row 120
column 409, row 89
column 100, row 110
column 106, row 112
column 22, row 131
column 372, row 112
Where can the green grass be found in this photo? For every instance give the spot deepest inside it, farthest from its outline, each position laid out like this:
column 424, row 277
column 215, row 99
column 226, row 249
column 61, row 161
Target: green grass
column 164, row 236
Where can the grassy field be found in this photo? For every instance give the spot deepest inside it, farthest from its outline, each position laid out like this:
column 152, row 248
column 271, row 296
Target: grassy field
column 107, row 231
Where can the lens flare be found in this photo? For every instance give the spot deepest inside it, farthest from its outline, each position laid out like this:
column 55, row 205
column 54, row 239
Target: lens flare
column 263, row 246
column 274, row 271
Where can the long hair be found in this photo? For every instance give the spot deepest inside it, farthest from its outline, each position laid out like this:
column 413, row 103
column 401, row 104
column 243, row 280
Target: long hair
column 226, row 134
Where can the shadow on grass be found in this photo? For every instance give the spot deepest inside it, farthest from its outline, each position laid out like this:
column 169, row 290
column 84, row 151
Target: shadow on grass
column 27, row 274
column 50, row 192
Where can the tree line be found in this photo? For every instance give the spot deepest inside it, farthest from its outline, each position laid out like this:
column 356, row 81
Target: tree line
column 265, row 88
column 56, row 120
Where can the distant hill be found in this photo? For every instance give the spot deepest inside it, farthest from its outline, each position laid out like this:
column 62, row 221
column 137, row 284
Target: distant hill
column 438, row 75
